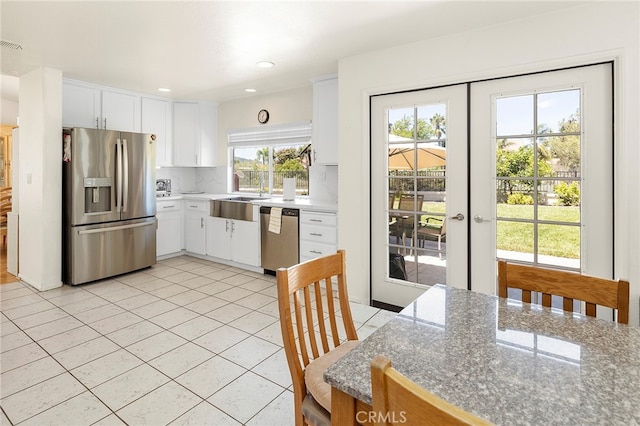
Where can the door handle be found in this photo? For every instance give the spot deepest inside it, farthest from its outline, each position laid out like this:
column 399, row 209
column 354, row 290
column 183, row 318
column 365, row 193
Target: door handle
column 459, row 216
column 478, row 219
column 118, row 176
column 125, row 178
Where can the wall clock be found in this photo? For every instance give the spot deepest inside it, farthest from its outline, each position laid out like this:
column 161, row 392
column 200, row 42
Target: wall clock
column 263, row 116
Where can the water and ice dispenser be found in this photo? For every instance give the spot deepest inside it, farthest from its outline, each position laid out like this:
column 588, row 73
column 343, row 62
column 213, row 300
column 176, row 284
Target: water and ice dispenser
column 97, row 194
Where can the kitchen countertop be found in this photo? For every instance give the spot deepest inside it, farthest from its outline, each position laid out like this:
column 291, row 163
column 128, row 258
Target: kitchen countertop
column 509, row 362
column 298, row 203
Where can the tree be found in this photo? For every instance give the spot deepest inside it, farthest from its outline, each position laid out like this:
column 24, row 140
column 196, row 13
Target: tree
column 566, row 148
column 438, row 123
column 519, row 163
column 404, row 128
column 262, row 155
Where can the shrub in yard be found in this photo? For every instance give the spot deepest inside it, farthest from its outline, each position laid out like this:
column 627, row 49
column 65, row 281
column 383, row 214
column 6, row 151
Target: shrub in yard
column 568, row 195
column 519, row 198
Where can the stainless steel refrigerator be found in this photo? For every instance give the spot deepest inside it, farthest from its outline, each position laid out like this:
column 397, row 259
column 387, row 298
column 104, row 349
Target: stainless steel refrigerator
column 109, row 203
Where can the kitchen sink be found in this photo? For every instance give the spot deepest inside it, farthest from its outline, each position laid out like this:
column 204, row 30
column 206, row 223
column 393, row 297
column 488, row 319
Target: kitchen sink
column 242, row 199
column 238, row 208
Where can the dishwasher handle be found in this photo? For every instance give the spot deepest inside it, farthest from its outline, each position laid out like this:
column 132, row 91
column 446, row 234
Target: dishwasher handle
column 285, row 211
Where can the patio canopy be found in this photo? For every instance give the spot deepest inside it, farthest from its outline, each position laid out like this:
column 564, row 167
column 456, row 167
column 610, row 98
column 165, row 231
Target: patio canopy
column 404, row 156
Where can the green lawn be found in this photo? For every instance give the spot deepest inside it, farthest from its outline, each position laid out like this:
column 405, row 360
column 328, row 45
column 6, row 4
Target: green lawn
column 553, row 240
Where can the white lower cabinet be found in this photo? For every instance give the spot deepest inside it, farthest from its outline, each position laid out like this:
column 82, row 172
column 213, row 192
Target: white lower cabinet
column 235, row 240
column 169, row 235
column 318, row 234
column 196, row 214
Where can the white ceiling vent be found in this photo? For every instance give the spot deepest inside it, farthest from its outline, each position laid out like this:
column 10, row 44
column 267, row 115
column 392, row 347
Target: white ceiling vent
column 10, row 45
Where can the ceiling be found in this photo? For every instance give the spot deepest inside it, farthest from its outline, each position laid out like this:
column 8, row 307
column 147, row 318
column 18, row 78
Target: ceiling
column 208, row 50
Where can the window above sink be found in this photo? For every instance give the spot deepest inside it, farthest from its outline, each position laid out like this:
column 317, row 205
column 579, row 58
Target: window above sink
column 264, row 156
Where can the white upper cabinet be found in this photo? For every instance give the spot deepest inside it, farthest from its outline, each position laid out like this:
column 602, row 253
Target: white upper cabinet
column 156, row 119
column 93, row 106
column 325, row 120
column 208, row 133
column 186, row 133
column 194, row 133
column 80, row 105
column 120, row 111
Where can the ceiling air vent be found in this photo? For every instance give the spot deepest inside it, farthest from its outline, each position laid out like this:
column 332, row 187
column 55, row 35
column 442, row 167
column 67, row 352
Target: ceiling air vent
column 10, row 45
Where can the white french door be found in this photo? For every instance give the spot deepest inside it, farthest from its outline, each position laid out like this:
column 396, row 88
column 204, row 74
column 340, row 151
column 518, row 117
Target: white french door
column 530, row 182
column 556, row 211
column 419, row 187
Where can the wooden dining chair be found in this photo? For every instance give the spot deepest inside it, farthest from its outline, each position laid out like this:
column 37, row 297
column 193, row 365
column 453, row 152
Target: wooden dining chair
column 312, row 330
column 398, row 400
column 591, row 290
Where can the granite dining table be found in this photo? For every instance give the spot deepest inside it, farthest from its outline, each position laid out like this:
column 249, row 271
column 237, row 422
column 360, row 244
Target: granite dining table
column 506, row 361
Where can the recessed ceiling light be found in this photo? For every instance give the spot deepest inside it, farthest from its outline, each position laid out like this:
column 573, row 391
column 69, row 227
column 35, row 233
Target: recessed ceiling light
column 265, row 64
column 250, row 90
column 163, row 89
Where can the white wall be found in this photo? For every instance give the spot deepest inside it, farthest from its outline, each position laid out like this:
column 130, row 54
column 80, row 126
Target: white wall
column 288, row 106
column 40, row 178
column 9, row 112
column 580, row 35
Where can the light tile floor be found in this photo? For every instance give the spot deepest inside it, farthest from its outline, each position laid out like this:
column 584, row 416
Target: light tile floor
column 186, row 342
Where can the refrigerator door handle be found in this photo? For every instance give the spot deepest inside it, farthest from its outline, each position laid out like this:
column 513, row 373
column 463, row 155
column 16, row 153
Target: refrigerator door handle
column 125, row 182
column 118, row 176
column 115, row 228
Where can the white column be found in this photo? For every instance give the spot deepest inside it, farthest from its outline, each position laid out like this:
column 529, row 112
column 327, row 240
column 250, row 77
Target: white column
column 40, row 178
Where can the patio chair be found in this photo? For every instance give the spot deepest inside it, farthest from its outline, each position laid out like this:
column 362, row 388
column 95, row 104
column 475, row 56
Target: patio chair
column 432, row 228
column 401, row 222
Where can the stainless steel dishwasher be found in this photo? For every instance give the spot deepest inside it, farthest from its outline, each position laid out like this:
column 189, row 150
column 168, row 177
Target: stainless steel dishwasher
column 279, row 250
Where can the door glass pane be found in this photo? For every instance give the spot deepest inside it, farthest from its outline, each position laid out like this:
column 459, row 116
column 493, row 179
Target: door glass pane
column 514, row 157
column 559, row 201
column 416, row 182
column 538, row 184
column 515, row 240
column 559, row 112
column 514, row 115
column 559, row 245
column 562, row 155
column 514, row 204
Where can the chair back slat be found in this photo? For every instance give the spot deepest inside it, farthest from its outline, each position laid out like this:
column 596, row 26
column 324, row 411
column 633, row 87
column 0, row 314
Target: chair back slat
column 300, row 328
column 332, row 319
column 569, row 285
column 546, row 299
column 321, row 324
column 309, row 318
